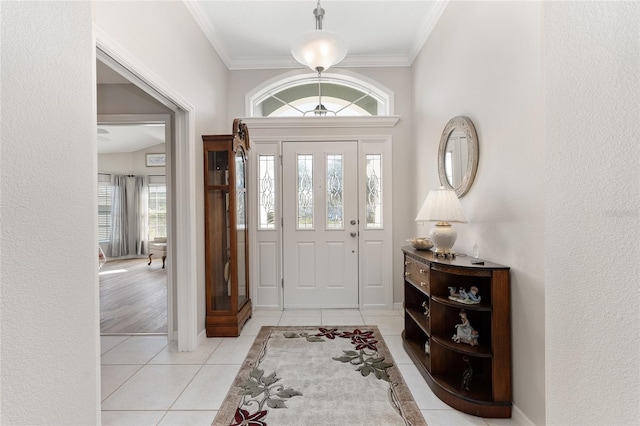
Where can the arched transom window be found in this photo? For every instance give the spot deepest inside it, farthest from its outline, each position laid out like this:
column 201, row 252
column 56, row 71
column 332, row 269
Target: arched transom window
column 308, row 96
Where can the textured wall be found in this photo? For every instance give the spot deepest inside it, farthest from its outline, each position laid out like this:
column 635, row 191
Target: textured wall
column 484, row 60
column 592, row 231
column 50, row 345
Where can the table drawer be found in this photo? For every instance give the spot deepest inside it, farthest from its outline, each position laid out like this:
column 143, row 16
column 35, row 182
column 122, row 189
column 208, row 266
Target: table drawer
column 417, row 273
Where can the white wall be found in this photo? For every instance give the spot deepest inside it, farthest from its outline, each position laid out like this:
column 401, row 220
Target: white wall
column 483, row 60
column 50, row 346
column 396, row 79
column 164, row 38
column 127, row 99
column 592, row 230
column 133, row 163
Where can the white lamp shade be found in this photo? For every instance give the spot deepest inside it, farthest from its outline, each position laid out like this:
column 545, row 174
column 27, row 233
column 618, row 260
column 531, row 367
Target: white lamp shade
column 319, row 49
column 441, row 205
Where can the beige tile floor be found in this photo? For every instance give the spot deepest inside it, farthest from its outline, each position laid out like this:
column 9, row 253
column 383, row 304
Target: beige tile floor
column 146, row 381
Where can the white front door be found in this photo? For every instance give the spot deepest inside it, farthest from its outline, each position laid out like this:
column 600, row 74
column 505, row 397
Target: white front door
column 320, row 224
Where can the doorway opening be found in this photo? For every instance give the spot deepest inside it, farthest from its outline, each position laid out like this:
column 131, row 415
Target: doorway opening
column 132, row 214
column 182, row 311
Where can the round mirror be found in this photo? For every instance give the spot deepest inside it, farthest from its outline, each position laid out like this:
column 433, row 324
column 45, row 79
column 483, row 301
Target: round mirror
column 458, row 155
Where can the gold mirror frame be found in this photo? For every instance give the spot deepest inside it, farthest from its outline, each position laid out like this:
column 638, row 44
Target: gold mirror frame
column 463, row 124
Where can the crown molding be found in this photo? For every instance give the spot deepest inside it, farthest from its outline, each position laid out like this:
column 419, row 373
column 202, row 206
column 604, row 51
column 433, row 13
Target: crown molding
column 209, row 31
column 320, row 122
column 427, row 27
column 253, row 63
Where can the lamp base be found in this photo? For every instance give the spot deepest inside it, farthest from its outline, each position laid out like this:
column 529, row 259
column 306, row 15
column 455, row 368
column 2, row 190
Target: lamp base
column 444, row 237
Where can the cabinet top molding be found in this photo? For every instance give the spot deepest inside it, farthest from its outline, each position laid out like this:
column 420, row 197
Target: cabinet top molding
column 460, row 261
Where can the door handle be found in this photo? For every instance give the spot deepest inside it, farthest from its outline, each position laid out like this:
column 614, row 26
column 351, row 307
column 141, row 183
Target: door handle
column 353, row 221
column 353, row 234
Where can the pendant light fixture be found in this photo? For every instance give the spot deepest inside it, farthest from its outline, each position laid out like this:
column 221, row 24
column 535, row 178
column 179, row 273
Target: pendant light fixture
column 320, row 110
column 319, row 49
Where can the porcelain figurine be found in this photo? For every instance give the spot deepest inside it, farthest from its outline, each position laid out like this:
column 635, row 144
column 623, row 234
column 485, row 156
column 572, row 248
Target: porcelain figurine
column 461, row 295
column 425, row 305
column 467, row 375
column 465, row 333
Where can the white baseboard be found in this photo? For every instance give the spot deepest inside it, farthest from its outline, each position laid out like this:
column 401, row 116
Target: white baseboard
column 267, row 308
column 519, row 418
column 202, row 336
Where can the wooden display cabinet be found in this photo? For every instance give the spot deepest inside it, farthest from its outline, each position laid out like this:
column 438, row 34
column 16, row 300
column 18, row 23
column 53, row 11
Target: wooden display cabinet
column 226, row 232
column 431, row 316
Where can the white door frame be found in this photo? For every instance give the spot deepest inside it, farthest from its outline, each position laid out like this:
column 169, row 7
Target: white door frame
column 183, row 180
column 375, row 289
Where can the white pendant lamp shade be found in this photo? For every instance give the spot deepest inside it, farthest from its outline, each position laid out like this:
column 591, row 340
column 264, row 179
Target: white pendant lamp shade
column 319, row 49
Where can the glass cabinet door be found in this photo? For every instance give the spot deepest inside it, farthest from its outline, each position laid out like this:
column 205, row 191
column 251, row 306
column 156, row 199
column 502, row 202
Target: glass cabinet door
column 241, row 227
column 219, row 238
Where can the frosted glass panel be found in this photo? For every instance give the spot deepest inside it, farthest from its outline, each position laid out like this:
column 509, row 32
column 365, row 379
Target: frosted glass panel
column 266, row 166
column 305, row 191
column 373, row 167
column 335, row 206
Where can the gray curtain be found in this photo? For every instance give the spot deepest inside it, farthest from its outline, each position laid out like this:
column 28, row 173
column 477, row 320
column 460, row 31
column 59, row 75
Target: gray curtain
column 119, row 227
column 141, row 211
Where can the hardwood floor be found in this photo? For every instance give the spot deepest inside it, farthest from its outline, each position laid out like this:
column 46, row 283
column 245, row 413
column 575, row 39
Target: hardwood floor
column 133, row 297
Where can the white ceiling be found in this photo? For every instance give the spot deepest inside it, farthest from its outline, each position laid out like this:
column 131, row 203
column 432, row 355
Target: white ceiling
column 119, row 138
column 124, row 138
column 258, row 34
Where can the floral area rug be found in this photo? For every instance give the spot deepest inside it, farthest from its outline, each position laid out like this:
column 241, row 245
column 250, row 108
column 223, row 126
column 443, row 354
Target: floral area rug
column 319, row 376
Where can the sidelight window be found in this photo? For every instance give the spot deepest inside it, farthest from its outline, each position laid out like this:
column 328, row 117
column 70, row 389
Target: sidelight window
column 373, row 171
column 267, row 201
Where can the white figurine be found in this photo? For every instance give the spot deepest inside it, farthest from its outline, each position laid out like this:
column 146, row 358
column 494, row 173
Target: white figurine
column 470, row 298
column 473, row 294
column 425, row 305
column 465, row 333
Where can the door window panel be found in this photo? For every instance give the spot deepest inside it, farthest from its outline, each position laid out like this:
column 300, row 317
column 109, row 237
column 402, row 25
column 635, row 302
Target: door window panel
column 335, row 206
column 305, row 191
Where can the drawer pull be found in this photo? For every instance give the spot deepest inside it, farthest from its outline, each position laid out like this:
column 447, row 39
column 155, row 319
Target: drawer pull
column 406, row 274
column 423, row 271
column 422, row 284
column 407, row 263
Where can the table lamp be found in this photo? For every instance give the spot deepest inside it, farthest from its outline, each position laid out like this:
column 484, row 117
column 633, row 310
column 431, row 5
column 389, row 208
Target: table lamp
column 442, row 206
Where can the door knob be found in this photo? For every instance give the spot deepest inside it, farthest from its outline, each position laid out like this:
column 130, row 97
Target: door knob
column 353, row 234
column 353, row 221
